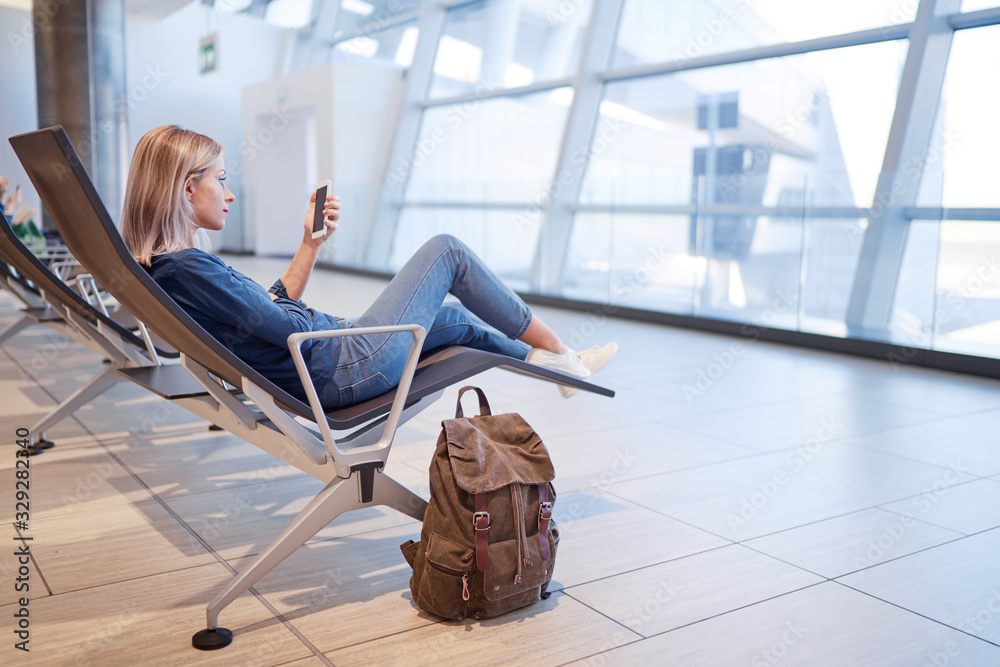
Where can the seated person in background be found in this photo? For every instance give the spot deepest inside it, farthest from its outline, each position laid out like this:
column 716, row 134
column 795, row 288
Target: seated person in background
column 176, row 188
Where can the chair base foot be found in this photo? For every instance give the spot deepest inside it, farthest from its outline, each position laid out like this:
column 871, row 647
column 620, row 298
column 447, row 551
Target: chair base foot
column 212, row 640
column 42, row 443
column 213, row 427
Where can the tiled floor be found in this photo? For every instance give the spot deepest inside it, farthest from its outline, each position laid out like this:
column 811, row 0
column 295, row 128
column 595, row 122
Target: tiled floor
column 776, row 506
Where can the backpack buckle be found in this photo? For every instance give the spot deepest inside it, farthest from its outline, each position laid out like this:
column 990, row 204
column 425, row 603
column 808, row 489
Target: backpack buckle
column 545, row 511
column 481, row 515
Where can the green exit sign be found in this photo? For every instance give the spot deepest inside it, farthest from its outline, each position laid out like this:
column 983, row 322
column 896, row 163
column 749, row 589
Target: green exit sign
column 207, row 54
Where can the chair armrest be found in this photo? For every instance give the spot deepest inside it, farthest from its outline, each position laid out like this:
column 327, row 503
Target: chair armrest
column 398, row 403
column 63, row 267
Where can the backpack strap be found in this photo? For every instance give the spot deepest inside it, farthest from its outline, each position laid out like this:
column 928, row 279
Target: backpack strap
column 481, row 522
column 544, row 516
column 484, row 405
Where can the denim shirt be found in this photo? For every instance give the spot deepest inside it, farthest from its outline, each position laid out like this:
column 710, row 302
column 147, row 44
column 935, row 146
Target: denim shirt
column 241, row 315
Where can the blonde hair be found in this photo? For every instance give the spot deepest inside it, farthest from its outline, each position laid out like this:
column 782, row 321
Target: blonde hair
column 157, row 217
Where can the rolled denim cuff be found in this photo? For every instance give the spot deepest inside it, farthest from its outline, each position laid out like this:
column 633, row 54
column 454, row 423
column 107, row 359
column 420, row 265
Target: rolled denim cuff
column 279, row 290
column 524, row 327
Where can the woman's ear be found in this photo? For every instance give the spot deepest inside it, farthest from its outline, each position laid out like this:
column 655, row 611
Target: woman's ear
column 190, row 186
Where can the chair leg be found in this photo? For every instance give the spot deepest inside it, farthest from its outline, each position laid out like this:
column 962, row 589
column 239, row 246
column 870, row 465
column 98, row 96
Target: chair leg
column 337, row 497
column 107, row 378
column 14, row 328
column 392, row 494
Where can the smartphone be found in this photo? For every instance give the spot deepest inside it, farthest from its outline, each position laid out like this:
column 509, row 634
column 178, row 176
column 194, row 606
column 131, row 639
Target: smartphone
column 319, row 224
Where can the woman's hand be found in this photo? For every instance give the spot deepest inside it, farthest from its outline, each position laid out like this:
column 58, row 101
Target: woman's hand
column 297, row 274
column 331, row 213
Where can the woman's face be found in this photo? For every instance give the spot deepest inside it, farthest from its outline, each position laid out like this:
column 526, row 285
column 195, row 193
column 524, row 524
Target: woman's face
column 210, row 197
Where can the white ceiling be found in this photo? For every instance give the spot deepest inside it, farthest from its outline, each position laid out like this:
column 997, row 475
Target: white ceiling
column 149, row 9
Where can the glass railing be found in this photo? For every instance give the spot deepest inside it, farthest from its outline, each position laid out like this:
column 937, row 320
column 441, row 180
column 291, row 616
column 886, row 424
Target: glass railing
column 789, row 267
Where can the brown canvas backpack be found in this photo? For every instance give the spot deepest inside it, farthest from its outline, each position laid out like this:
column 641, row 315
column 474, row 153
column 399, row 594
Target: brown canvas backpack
column 488, row 542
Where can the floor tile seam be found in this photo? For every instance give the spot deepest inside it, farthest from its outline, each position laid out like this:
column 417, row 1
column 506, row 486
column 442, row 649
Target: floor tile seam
column 396, row 633
column 894, row 427
column 587, row 431
column 840, row 442
column 724, row 613
column 936, row 525
column 973, row 413
column 908, row 458
column 836, row 439
column 665, row 472
column 723, row 411
column 837, row 516
column 729, row 441
column 633, row 570
column 915, row 613
column 118, row 582
column 672, row 518
column 236, row 487
column 913, row 553
column 618, row 623
column 771, row 403
column 946, row 488
column 721, row 441
column 786, row 562
column 321, row 538
column 218, row 557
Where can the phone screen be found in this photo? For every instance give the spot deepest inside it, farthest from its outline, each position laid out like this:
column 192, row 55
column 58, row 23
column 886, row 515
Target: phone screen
column 319, row 228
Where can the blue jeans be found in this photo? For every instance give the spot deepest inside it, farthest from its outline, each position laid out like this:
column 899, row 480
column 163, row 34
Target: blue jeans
column 489, row 318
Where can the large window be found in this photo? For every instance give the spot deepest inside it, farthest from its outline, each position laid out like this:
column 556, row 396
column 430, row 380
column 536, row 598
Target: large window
column 498, row 236
column 489, row 150
column 750, row 156
column 763, row 132
column 508, row 43
column 958, row 169
column 697, row 170
column 654, row 31
column 367, row 17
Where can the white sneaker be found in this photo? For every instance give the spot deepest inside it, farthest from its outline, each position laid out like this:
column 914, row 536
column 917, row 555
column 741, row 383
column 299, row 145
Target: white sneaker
column 578, row 364
column 568, row 362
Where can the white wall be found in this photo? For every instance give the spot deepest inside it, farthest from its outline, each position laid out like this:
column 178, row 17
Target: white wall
column 164, row 86
column 18, row 106
column 331, row 121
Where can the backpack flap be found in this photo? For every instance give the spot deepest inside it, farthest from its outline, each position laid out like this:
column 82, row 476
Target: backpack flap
column 493, row 451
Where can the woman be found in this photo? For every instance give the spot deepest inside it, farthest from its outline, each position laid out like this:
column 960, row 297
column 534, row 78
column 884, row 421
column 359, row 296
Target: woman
column 176, row 188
